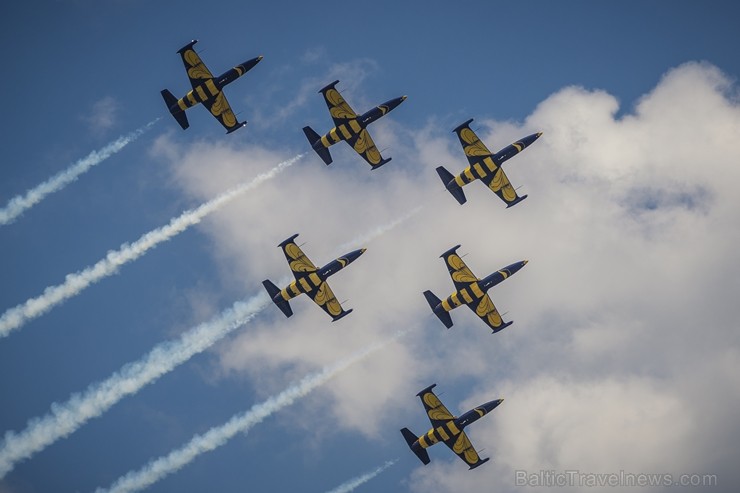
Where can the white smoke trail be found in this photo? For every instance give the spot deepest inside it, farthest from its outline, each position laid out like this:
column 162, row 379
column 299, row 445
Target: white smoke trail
column 66, row 418
column 20, row 203
column 15, row 317
column 359, row 480
column 158, row 468
column 371, row 235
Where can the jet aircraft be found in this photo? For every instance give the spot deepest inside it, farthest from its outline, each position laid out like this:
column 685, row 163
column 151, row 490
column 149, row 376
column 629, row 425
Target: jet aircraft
column 207, row 89
column 471, row 291
column 485, row 166
column 447, row 429
column 310, row 280
column 349, row 127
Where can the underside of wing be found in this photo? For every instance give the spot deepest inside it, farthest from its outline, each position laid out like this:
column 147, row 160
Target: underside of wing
column 324, row 297
column 363, row 145
column 461, row 275
column 221, row 110
column 437, row 413
column 299, row 263
column 475, row 150
column 461, row 446
column 196, row 69
column 499, row 184
column 486, row 310
column 339, row 109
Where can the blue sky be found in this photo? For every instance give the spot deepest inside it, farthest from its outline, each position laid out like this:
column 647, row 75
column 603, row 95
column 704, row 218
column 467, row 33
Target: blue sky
column 620, row 301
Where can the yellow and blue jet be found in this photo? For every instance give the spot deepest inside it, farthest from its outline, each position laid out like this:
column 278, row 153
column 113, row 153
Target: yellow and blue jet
column 207, row 90
column 349, row 127
column 447, row 429
column 485, row 166
column 471, row 291
column 310, row 280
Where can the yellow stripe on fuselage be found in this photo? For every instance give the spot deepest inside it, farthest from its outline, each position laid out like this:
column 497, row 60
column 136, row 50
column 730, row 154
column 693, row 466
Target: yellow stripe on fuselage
column 355, row 126
column 477, row 291
column 489, row 163
column 423, row 442
column 453, row 429
column 466, row 296
column 479, row 169
column 345, row 132
column 304, row 284
column 211, row 87
column 201, row 93
column 315, row 279
column 441, row 432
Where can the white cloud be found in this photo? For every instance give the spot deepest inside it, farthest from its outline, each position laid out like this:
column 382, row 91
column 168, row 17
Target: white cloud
column 624, row 350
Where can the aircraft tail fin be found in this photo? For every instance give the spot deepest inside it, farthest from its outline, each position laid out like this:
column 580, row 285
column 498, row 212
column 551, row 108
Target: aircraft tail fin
column 410, row 440
column 451, row 185
column 171, row 102
column 274, row 291
column 436, row 305
column 315, row 140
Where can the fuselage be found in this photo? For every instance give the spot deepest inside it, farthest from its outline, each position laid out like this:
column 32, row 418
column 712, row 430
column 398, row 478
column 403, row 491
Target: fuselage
column 475, row 291
column 354, row 126
column 453, row 427
column 314, row 279
column 210, row 88
column 489, row 164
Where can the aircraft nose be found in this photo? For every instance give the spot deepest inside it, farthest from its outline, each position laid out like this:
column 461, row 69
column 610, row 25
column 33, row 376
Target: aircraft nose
column 362, row 250
column 403, row 98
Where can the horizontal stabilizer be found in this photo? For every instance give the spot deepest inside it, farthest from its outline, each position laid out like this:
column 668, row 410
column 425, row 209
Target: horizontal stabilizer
column 410, row 440
column 436, row 306
column 274, row 293
column 451, row 185
column 175, row 111
column 516, row 201
column 315, row 140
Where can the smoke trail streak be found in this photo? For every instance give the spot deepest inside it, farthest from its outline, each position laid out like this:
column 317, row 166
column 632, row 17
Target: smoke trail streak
column 359, row 480
column 15, row 317
column 158, row 468
column 66, row 418
column 20, row 203
column 380, row 230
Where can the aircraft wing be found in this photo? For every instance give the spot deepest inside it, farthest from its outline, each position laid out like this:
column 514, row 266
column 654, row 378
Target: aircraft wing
column 461, row 445
column 339, row 109
column 486, row 310
column 363, row 145
column 499, row 184
column 324, row 297
column 196, row 69
column 475, row 150
column 299, row 263
column 221, row 110
column 460, row 273
column 437, row 413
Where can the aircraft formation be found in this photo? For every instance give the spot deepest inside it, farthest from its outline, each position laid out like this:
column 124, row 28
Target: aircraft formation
column 352, row 128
